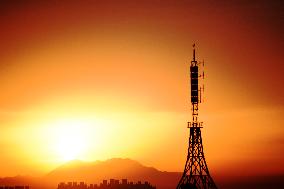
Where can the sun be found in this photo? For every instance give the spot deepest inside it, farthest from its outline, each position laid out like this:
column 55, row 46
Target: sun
column 71, row 139
column 82, row 138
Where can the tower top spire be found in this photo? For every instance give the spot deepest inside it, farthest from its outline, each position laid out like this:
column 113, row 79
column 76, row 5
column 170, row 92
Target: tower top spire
column 193, row 52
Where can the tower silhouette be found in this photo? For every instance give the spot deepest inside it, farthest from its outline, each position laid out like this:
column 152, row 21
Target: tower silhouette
column 196, row 174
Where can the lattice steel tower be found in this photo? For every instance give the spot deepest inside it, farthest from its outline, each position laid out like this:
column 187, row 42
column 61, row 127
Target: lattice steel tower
column 196, row 174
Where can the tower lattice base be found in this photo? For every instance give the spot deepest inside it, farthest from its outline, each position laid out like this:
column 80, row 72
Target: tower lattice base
column 196, row 174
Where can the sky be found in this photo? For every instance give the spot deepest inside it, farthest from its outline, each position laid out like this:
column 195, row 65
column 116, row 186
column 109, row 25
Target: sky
column 93, row 80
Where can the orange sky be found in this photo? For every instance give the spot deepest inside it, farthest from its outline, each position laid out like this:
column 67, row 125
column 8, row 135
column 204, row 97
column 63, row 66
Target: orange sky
column 118, row 74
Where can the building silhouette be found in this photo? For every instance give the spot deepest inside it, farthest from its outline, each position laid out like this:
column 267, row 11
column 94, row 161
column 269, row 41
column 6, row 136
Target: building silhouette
column 14, row 187
column 112, row 184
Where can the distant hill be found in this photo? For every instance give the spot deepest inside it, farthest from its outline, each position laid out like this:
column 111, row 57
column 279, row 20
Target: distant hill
column 95, row 172
column 116, row 168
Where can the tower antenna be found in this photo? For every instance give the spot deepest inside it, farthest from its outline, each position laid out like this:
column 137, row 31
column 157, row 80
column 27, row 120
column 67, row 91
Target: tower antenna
column 196, row 173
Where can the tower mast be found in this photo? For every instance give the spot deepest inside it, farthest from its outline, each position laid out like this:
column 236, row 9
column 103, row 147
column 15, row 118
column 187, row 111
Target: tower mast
column 196, row 174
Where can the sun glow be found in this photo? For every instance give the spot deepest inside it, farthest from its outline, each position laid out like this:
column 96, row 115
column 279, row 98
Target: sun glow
column 71, row 138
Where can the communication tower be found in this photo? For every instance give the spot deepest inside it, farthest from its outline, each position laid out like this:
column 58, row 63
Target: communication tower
column 196, row 174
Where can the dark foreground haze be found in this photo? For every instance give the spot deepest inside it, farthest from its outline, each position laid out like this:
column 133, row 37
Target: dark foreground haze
column 95, row 172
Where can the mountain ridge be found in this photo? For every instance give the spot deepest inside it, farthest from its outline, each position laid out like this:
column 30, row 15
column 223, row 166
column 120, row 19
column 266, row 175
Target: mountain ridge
column 116, row 168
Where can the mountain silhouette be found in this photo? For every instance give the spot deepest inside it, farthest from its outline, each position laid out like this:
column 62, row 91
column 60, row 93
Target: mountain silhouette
column 116, row 168
column 95, row 172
